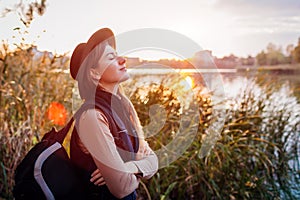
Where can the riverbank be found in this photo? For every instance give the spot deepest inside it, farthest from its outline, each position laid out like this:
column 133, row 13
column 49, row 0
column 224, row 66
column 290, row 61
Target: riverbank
column 271, row 67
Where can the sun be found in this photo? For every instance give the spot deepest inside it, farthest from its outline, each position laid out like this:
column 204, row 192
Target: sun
column 187, row 83
column 190, row 81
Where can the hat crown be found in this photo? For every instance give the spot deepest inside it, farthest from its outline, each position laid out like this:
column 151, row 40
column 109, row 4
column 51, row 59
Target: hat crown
column 83, row 49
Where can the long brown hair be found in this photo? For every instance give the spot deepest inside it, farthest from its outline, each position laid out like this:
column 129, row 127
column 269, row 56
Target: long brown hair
column 88, row 85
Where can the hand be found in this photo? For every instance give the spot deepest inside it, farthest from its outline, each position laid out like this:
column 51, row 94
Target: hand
column 144, row 151
column 97, row 178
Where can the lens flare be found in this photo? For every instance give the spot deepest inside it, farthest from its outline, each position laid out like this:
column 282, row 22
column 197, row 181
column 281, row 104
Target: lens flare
column 186, row 84
column 190, row 81
column 57, row 113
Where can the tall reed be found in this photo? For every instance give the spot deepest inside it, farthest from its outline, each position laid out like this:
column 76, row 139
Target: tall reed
column 30, row 81
column 256, row 156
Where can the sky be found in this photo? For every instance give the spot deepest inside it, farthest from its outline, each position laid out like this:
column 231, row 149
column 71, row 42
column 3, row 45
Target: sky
column 239, row 27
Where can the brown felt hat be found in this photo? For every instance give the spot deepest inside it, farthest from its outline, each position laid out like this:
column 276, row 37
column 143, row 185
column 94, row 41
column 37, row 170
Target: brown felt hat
column 83, row 49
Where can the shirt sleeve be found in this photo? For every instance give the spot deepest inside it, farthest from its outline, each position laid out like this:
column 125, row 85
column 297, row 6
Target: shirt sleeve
column 148, row 164
column 96, row 137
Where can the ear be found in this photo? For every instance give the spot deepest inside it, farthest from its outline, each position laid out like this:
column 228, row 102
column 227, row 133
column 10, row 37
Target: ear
column 94, row 74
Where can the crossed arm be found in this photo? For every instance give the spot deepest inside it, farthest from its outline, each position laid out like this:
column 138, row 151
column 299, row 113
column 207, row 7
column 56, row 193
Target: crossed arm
column 121, row 178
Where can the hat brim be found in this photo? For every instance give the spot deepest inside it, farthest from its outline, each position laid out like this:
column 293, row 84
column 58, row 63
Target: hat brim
column 83, row 49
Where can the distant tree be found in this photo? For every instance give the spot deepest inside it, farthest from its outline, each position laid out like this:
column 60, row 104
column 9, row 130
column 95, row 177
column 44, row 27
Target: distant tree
column 272, row 56
column 289, row 52
column 271, row 48
column 290, row 49
column 261, row 58
column 296, row 52
column 26, row 11
column 249, row 61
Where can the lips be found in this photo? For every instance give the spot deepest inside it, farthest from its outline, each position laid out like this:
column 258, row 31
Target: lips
column 123, row 69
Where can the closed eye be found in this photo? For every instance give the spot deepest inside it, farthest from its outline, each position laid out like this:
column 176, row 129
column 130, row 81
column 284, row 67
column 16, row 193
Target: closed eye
column 111, row 56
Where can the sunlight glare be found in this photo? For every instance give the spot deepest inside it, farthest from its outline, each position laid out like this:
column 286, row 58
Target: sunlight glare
column 190, row 81
column 187, row 83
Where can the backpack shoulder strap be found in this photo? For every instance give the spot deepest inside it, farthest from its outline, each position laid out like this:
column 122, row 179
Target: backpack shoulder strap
column 60, row 135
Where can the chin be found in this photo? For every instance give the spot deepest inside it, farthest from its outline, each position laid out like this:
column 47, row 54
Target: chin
column 125, row 77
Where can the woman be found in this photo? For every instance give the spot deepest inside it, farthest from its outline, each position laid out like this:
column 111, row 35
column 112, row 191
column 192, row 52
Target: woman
column 107, row 144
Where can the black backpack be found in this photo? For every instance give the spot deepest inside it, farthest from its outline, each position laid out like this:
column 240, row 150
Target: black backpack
column 46, row 172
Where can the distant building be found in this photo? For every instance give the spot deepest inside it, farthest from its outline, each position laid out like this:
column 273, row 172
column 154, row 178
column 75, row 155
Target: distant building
column 203, row 59
column 230, row 61
column 39, row 54
column 133, row 62
column 249, row 61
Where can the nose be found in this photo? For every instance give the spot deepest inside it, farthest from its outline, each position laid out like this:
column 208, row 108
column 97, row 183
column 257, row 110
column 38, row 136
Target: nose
column 121, row 60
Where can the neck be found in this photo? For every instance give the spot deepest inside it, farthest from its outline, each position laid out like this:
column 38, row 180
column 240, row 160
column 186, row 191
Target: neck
column 112, row 88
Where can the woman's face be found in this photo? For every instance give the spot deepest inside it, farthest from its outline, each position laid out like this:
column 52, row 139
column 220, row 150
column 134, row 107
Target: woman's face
column 111, row 67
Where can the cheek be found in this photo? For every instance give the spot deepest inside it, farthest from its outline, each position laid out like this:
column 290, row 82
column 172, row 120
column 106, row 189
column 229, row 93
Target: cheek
column 108, row 77
column 108, row 72
column 113, row 74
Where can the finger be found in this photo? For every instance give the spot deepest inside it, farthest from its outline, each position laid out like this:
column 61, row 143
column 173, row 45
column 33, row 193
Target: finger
column 97, row 171
column 100, row 181
column 95, row 177
column 147, row 151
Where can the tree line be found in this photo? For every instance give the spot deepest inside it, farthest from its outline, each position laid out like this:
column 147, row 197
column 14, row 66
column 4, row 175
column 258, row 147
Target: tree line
column 273, row 55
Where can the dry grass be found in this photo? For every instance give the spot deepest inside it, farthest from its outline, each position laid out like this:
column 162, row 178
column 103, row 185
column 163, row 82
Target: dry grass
column 256, row 156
